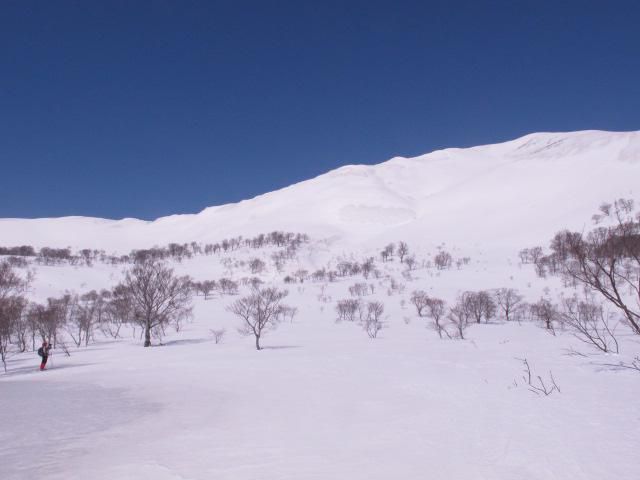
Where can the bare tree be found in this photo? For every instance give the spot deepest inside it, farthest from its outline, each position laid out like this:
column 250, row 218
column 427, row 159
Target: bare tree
column 387, row 252
column 207, row 287
column 319, row 275
column 459, row 316
column 21, row 329
column 546, row 312
column 524, row 256
column 85, row 312
column 443, row 260
column 480, row 305
column 403, row 250
column 257, row 266
column 11, row 305
column 436, row 309
column 301, row 275
column 74, row 322
column 535, row 254
column 508, row 300
column 367, row 267
column 348, row 308
column 606, row 259
column 227, row 286
column 288, row 313
column 372, row 323
column 279, row 259
column 411, row 262
column 359, row 289
column 420, row 300
column 118, row 311
column 395, row 287
column 590, row 323
column 346, row 268
column 48, row 319
column 433, row 308
column 11, row 284
column 260, row 311
column 217, row 335
column 11, row 309
column 157, row 296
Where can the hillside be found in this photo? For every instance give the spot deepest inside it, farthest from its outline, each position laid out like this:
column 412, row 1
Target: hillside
column 328, row 397
column 512, row 193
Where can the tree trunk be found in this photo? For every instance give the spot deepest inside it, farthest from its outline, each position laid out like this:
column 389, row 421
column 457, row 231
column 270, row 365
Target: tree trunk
column 147, row 335
column 257, row 342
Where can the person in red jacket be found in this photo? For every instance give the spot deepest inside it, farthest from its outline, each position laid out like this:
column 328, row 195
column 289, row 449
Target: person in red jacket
column 43, row 351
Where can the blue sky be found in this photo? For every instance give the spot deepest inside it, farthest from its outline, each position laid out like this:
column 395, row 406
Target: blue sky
column 143, row 109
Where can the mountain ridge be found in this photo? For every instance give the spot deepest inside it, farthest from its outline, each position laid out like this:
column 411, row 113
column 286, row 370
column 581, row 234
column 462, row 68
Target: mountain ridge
column 401, row 195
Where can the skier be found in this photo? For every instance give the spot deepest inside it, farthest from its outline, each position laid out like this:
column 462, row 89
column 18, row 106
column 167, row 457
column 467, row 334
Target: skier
column 43, row 351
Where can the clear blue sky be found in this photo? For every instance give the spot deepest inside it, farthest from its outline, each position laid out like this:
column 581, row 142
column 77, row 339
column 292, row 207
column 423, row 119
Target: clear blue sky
column 143, row 109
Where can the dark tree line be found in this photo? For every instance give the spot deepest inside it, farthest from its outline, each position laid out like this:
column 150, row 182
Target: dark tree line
column 223, row 286
column 22, row 251
column 287, row 241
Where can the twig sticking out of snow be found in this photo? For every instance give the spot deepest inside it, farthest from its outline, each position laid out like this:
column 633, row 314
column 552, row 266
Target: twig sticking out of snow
column 633, row 365
column 539, row 388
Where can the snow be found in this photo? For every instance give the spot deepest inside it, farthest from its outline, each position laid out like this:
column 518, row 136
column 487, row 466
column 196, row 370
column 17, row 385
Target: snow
column 449, row 192
column 322, row 400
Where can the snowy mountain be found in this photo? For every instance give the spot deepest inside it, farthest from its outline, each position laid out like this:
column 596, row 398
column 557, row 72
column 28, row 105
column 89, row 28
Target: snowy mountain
column 325, row 399
column 510, row 194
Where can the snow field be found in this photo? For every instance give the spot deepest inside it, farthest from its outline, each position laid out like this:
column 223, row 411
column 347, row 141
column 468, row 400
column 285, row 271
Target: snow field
column 322, row 400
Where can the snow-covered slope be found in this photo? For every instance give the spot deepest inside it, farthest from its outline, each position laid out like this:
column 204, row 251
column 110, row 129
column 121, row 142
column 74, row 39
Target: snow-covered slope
column 510, row 193
column 322, row 400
